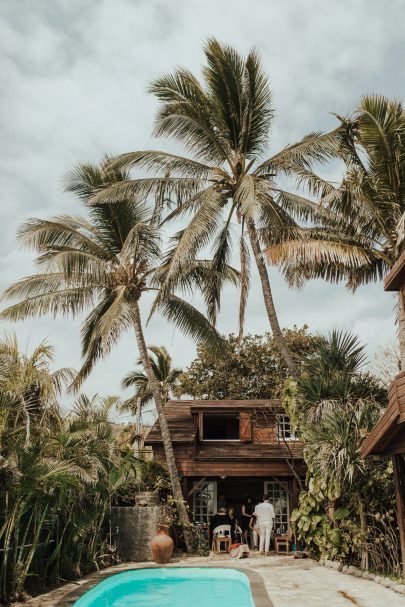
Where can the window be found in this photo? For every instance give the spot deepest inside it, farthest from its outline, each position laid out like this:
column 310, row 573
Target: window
column 284, row 429
column 220, row 426
column 279, row 498
column 205, row 502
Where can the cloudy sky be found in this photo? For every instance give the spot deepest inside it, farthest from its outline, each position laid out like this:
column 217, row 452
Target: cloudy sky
column 73, row 87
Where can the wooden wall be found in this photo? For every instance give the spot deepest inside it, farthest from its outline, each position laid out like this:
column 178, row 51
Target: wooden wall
column 187, row 465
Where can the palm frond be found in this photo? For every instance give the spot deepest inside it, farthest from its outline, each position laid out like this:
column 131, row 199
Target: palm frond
column 192, row 323
column 168, row 164
column 185, row 114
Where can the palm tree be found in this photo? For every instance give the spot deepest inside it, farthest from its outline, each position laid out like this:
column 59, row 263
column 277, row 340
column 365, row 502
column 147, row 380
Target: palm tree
column 224, row 123
column 167, row 375
column 358, row 228
column 28, row 389
column 107, row 262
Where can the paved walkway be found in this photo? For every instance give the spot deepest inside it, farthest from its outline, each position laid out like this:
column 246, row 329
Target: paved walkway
column 289, row 583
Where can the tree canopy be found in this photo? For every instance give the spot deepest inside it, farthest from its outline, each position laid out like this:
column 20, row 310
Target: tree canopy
column 253, row 369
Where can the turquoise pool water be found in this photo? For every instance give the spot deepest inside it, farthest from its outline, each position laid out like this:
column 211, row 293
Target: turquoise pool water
column 171, row 587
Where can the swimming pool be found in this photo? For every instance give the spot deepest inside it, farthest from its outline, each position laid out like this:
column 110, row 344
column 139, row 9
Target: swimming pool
column 171, row 587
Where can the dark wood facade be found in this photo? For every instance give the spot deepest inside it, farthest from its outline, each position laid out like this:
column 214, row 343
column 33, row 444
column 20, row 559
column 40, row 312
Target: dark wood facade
column 388, row 436
column 259, row 460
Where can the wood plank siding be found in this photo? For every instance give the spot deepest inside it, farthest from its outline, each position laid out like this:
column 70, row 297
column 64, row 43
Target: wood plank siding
column 388, row 435
column 258, row 452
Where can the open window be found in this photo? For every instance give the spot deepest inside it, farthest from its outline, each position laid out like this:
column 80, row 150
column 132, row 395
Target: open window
column 220, row 426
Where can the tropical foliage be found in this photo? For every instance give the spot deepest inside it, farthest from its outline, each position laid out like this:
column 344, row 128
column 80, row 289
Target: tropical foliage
column 165, row 373
column 333, row 406
column 61, row 473
column 57, row 481
column 251, row 368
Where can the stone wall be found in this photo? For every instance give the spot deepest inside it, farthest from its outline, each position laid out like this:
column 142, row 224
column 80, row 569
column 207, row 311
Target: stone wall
column 135, row 528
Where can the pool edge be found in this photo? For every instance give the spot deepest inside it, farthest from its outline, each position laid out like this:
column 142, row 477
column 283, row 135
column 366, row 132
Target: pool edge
column 256, row 582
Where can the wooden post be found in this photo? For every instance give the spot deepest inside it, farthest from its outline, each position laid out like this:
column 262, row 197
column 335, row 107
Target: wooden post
column 399, row 480
column 185, row 486
column 294, row 494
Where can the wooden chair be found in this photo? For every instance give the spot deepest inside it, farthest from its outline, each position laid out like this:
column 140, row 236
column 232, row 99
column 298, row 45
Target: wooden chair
column 221, row 536
column 283, row 540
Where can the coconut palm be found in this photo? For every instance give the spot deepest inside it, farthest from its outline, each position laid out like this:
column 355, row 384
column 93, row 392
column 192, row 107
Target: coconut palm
column 224, row 123
column 358, row 228
column 167, row 375
column 107, row 262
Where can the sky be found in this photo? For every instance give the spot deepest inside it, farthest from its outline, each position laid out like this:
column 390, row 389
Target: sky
column 73, row 87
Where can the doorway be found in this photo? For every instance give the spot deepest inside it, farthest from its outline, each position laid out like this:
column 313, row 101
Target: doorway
column 278, row 493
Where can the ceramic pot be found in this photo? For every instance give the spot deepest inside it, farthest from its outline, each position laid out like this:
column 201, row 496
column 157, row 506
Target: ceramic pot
column 162, row 546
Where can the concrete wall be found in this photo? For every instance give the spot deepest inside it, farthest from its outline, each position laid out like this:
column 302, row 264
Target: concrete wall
column 136, row 528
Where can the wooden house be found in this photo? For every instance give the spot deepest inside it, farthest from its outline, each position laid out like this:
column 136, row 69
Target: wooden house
column 388, row 436
column 232, row 449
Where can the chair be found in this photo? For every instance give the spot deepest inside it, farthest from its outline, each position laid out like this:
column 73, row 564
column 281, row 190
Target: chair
column 221, row 536
column 283, row 540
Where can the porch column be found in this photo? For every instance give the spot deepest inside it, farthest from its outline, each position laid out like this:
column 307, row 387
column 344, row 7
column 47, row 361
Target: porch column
column 399, row 480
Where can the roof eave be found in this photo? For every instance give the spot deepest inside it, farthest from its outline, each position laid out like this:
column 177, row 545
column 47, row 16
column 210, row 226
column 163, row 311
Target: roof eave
column 396, row 276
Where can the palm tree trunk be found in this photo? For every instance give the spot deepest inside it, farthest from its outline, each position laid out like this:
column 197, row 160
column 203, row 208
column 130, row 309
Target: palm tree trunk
column 401, row 328
column 138, row 424
column 164, row 428
column 269, row 303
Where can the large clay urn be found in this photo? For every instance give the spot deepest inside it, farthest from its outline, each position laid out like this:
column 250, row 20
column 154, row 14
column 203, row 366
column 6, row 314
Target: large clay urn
column 162, row 546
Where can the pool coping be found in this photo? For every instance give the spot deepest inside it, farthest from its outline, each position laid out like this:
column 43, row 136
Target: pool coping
column 257, row 585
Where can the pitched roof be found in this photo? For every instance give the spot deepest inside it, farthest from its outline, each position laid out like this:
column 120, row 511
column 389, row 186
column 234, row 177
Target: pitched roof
column 180, row 419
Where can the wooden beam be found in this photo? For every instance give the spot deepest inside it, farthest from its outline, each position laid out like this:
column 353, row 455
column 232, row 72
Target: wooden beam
column 197, row 486
column 399, row 480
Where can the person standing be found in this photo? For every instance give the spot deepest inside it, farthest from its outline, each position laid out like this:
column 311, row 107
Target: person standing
column 234, row 524
column 255, row 532
column 265, row 520
column 247, row 511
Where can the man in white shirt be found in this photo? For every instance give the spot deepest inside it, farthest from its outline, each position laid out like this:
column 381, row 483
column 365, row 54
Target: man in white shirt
column 265, row 520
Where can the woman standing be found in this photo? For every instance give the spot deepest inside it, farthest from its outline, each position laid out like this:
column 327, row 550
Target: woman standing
column 255, row 532
column 235, row 529
column 247, row 511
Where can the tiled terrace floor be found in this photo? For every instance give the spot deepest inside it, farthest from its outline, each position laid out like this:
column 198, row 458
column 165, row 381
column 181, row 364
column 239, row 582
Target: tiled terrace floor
column 289, row 582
